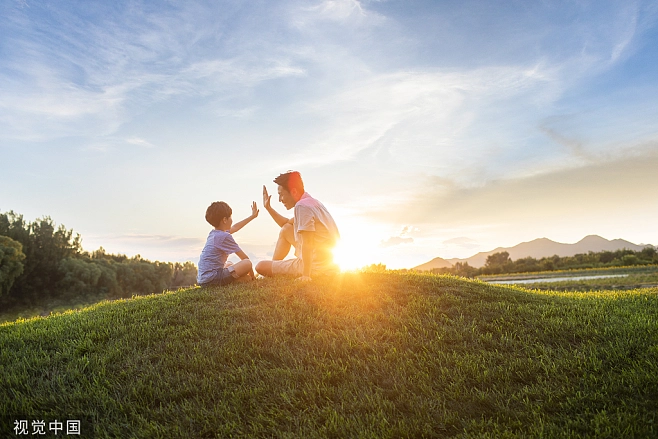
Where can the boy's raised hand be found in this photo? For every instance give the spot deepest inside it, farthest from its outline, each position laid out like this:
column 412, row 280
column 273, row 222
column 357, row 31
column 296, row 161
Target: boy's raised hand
column 254, row 210
column 266, row 198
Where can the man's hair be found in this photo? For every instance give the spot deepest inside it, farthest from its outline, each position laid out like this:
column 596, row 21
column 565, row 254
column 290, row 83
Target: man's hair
column 217, row 211
column 290, row 180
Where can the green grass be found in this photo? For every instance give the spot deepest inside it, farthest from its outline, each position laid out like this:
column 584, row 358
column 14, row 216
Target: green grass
column 364, row 355
column 635, row 269
column 18, row 311
column 632, row 281
column 636, row 277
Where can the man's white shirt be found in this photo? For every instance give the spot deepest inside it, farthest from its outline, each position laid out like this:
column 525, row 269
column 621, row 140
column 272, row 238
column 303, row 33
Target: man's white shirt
column 312, row 216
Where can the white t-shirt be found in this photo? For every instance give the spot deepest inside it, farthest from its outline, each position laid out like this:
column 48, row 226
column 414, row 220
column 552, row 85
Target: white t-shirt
column 312, row 216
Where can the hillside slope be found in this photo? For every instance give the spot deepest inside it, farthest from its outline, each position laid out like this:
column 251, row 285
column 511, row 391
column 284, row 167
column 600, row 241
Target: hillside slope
column 370, row 355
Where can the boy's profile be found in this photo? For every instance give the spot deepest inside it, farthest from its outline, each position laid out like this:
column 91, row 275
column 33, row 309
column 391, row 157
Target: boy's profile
column 213, row 268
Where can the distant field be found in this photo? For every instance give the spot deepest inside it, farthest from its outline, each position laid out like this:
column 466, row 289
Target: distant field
column 633, row 277
column 365, row 355
column 48, row 307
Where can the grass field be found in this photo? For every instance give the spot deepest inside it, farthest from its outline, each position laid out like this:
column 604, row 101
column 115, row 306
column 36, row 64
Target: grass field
column 48, row 307
column 634, row 277
column 363, row 355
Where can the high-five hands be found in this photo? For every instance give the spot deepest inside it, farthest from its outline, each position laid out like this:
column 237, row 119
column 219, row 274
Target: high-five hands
column 254, row 210
column 266, row 198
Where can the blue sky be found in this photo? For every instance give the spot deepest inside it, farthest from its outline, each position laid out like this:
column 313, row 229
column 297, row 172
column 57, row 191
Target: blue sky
column 435, row 128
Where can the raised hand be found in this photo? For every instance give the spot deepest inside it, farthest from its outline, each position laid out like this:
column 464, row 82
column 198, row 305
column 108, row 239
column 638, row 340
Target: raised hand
column 254, row 210
column 266, row 198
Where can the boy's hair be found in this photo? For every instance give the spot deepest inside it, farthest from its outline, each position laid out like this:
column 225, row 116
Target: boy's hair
column 218, row 211
column 290, row 180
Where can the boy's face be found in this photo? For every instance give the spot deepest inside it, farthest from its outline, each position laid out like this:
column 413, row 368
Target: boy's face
column 227, row 222
column 286, row 198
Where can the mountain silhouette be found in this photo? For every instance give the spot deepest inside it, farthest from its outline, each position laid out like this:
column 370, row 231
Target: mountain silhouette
column 539, row 248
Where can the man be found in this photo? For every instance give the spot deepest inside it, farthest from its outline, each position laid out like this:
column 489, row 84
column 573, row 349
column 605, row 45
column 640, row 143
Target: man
column 312, row 232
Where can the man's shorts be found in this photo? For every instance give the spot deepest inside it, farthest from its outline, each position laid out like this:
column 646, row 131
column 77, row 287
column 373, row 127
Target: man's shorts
column 294, row 267
column 222, row 277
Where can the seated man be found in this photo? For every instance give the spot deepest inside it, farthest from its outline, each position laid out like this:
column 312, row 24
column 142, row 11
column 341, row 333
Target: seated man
column 312, row 231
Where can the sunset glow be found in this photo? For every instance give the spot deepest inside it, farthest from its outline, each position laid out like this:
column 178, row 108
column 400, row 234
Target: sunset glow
column 427, row 128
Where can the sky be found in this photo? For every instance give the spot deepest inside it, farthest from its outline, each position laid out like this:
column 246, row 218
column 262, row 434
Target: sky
column 427, row 128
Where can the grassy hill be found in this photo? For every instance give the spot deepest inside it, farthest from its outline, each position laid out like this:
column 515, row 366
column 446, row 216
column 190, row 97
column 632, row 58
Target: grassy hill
column 364, row 355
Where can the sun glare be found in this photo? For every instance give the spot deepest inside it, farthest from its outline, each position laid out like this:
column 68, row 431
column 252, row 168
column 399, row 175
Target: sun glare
column 348, row 256
column 360, row 244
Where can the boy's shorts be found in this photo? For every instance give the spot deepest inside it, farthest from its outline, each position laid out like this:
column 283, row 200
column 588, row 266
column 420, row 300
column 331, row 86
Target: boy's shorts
column 223, row 277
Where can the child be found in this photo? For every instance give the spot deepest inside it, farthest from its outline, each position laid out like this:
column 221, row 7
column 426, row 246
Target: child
column 213, row 268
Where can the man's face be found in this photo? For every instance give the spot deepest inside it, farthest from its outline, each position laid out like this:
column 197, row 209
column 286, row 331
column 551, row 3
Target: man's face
column 286, row 198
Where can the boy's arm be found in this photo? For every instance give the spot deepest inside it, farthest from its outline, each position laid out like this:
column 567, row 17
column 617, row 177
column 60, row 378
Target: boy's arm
column 240, row 224
column 307, row 239
column 276, row 216
column 242, row 255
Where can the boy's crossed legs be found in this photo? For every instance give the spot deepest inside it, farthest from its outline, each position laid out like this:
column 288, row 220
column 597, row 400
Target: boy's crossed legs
column 242, row 270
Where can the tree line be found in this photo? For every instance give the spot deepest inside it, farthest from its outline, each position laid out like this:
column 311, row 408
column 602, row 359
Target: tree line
column 40, row 261
column 501, row 263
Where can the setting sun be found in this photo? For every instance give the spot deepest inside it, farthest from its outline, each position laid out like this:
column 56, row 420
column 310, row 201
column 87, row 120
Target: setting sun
column 348, row 257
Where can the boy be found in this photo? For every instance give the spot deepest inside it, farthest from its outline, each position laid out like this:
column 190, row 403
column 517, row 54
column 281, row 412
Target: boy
column 213, row 268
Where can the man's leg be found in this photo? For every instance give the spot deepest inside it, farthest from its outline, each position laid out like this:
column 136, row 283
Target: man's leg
column 285, row 241
column 281, row 249
column 264, row 268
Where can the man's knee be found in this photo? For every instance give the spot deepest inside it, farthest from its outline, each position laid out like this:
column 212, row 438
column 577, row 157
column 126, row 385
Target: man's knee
column 286, row 229
column 264, row 268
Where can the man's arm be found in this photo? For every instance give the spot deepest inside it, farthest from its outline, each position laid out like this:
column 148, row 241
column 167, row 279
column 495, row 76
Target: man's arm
column 307, row 241
column 240, row 224
column 276, row 216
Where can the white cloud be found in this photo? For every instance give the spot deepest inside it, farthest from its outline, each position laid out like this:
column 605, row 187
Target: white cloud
column 395, row 240
column 338, row 9
column 424, row 117
column 349, row 12
column 229, row 72
column 103, row 74
column 140, row 142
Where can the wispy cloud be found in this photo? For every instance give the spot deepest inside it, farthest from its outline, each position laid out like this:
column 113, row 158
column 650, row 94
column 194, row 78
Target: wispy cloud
column 336, row 11
column 225, row 73
column 70, row 76
column 395, row 240
column 140, row 142
column 424, row 117
column 402, row 238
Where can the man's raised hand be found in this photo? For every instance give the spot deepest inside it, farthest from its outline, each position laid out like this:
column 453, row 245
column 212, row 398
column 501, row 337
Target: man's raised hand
column 266, row 198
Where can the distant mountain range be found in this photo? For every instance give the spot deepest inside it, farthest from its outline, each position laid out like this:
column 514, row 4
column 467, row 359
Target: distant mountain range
column 539, row 248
